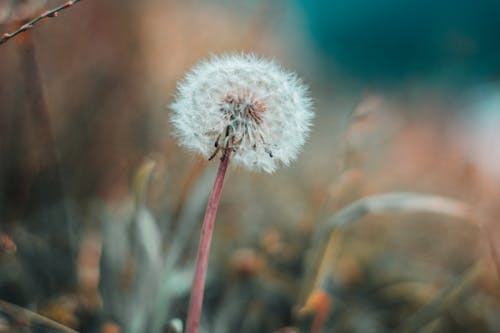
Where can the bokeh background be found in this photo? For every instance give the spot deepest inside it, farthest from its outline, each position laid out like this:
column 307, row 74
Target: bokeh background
column 100, row 209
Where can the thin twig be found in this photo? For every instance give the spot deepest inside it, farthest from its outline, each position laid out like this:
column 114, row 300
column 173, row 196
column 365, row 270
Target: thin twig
column 17, row 311
column 29, row 25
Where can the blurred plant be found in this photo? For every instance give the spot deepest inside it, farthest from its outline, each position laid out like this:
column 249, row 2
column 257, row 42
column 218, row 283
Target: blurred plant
column 327, row 237
column 30, row 24
column 131, row 255
column 242, row 106
column 172, row 280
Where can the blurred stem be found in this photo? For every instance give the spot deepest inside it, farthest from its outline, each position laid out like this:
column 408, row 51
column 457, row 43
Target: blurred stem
column 494, row 250
column 17, row 311
column 195, row 303
column 39, row 113
column 38, row 104
column 443, row 301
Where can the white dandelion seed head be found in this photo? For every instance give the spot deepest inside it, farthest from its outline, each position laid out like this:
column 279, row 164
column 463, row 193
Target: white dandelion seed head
column 243, row 103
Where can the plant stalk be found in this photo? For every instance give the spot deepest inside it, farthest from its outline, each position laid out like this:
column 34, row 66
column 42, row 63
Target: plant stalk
column 195, row 303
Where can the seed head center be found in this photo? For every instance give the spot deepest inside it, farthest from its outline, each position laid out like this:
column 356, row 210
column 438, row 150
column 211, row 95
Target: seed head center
column 243, row 118
column 242, row 115
column 242, row 108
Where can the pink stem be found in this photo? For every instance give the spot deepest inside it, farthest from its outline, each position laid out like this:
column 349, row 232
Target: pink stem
column 193, row 319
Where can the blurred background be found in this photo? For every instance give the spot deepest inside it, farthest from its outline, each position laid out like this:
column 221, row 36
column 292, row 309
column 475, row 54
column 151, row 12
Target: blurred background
column 100, row 210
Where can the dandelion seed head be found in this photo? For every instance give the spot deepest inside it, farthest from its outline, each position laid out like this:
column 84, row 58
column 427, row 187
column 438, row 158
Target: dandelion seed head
column 243, row 103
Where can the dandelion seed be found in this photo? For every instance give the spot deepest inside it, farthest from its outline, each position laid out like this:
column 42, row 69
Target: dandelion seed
column 244, row 103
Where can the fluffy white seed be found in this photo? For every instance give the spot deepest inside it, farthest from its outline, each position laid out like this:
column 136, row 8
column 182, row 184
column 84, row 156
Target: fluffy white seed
column 244, row 103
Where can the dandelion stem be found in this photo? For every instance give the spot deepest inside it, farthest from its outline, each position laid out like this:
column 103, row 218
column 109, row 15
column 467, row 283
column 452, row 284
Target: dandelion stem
column 193, row 319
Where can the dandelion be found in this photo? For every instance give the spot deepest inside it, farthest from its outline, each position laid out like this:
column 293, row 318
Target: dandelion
column 245, row 109
column 246, row 104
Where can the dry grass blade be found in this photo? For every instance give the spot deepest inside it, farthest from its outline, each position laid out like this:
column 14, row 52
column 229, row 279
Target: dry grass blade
column 394, row 202
column 445, row 299
column 17, row 311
